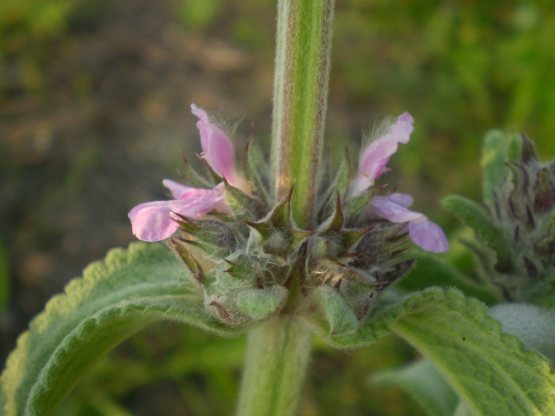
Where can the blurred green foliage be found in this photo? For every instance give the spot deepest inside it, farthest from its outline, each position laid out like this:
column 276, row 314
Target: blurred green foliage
column 198, row 13
column 31, row 18
column 4, row 279
column 23, row 25
column 28, row 27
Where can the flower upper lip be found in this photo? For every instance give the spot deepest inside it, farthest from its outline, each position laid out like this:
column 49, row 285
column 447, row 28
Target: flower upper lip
column 374, row 158
column 217, row 148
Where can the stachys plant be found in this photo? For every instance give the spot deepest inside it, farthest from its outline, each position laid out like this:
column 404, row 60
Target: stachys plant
column 283, row 252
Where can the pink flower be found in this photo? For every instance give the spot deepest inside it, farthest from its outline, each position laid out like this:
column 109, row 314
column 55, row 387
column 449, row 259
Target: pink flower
column 373, row 160
column 423, row 232
column 217, row 149
column 152, row 221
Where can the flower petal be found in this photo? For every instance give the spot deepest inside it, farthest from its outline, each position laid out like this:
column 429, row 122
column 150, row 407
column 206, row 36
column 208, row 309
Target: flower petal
column 428, row 236
column 177, row 189
column 376, row 155
column 402, row 199
column 387, row 208
column 374, row 158
column 152, row 221
column 216, row 146
column 197, row 202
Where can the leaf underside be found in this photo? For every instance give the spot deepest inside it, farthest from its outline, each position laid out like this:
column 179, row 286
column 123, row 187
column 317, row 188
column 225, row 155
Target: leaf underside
column 490, row 370
column 114, row 299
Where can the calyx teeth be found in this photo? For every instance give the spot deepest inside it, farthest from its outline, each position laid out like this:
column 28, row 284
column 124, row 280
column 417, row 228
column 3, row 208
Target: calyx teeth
column 254, row 261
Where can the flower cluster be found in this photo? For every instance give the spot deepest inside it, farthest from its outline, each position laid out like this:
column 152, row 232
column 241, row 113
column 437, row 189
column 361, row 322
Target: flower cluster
column 251, row 259
column 521, row 217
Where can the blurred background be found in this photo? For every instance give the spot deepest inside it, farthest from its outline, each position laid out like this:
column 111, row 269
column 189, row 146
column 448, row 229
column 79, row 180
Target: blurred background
column 94, row 112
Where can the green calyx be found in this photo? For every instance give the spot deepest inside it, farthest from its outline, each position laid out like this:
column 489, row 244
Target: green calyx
column 255, row 262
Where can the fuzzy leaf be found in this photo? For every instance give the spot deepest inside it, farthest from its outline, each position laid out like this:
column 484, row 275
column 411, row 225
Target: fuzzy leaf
column 424, row 385
column 115, row 298
column 463, row 410
column 490, row 370
column 535, row 326
column 474, row 216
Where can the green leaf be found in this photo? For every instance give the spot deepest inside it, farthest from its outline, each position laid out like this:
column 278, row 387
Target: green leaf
column 463, row 410
column 534, row 325
column 476, row 217
column 490, row 370
column 424, row 385
column 115, row 298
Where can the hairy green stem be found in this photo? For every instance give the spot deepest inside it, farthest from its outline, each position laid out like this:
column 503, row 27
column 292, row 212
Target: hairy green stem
column 303, row 45
column 276, row 360
column 278, row 350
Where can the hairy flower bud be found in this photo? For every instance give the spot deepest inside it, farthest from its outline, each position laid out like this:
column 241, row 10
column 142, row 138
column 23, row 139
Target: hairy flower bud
column 519, row 225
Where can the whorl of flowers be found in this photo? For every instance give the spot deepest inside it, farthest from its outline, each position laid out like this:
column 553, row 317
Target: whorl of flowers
column 522, row 234
column 251, row 259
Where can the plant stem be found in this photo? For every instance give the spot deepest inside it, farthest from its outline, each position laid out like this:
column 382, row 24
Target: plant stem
column 278, row 350
column 276, row 359
column 303, row 45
